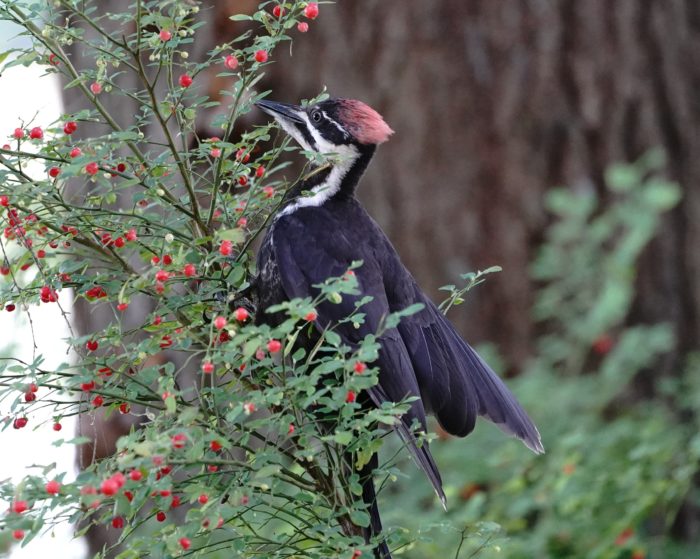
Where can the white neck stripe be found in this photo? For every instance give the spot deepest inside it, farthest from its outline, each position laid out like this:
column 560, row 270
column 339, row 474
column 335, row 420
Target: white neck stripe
column 326, row 189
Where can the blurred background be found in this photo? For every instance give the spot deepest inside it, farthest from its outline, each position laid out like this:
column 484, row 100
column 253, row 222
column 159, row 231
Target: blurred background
column 559, row 140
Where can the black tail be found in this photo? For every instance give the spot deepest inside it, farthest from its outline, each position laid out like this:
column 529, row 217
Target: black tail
column 369, row 496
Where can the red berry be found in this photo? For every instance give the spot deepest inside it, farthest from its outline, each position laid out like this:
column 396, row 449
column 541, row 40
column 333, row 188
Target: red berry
column 624, row 536
column 70, row 127
column 167, row 260
column 97, row 401
column 175, row 502
column 311, row 10
column 76, row 152
column 162, row 275
column 220, row 322
column 603, row 344
column 260, row 171
column 36, row 133
column 212, row 468
column 242, row 155
column 350, row 397
column 242, row 222
column 54, row 172
column 261, row 56
column 215, row 152
column 120, row 479
column 226, row 248
column 160, row 517
column 122, row 306
column 48, row 295
column 129, row 496
column 121, row 167
column 178, row 440
column 52, row 487
column 57, row 426
column 311, row 316
column 10, row 307
column 290, row 431
column 189, row 270
column 131, row 235
column 185, row 543
column 20, row 422
column 92, row 168
column 302, row 27
column 124, row 408
column 165, row 492
column 165, row 35
column 87, row 386
column 185, row 80
column 41, row 253
column 119, row 242
column 88, row 490
column 135, row 475
column 18, row 507
column 155, row 260
column 118, row 522
column 216, row 446
column 207, row 367
column 203, row 499
column 268, row 191
column 4, row 271
column 278, row 11
column 29, row 397
column 18, row 534
column 359, row 367
column 240, row 314
column 231, row 62
column 4, row 201
column 273, row 346
column 109, row 487
column 18, row 134
column 243, row 180
column 96, row 88
column 248, row 408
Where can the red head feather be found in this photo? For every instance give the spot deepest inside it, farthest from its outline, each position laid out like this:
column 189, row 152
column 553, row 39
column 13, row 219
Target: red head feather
column 363, row 122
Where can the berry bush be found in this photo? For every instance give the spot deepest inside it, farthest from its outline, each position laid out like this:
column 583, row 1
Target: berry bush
column 243, row 431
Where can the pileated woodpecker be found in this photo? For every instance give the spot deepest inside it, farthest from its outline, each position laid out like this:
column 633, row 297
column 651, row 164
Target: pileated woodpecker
column 319, row 235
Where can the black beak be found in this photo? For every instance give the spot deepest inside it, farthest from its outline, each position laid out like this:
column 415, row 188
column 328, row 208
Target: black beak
column 284, row 110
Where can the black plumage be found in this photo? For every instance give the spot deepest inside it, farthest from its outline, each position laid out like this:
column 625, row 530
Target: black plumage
column 320, row 236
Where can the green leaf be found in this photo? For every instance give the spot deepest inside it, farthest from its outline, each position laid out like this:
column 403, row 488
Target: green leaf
column 359, row 518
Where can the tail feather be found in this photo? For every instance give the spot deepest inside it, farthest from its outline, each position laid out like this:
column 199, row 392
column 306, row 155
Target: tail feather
column 421, row 454
column 369, row 496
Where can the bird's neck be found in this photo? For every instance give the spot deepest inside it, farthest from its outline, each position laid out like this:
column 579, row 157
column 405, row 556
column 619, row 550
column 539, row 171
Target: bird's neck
column 334, row 182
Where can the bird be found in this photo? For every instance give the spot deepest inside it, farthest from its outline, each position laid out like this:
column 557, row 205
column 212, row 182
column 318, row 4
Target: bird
column 318, row 232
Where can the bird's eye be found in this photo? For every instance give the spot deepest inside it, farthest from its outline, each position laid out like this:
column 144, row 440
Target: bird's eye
column 316, row 116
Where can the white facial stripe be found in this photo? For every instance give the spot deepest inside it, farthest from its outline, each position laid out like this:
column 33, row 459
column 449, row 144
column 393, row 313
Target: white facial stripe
column 338, row 126
column 292, row 130
column 324, row 146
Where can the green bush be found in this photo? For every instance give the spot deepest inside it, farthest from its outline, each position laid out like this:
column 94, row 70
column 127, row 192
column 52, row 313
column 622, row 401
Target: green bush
column 617, row 465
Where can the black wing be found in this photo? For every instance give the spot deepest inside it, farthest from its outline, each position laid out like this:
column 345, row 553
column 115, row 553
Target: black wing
column 456, row 384
column 304, row 260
